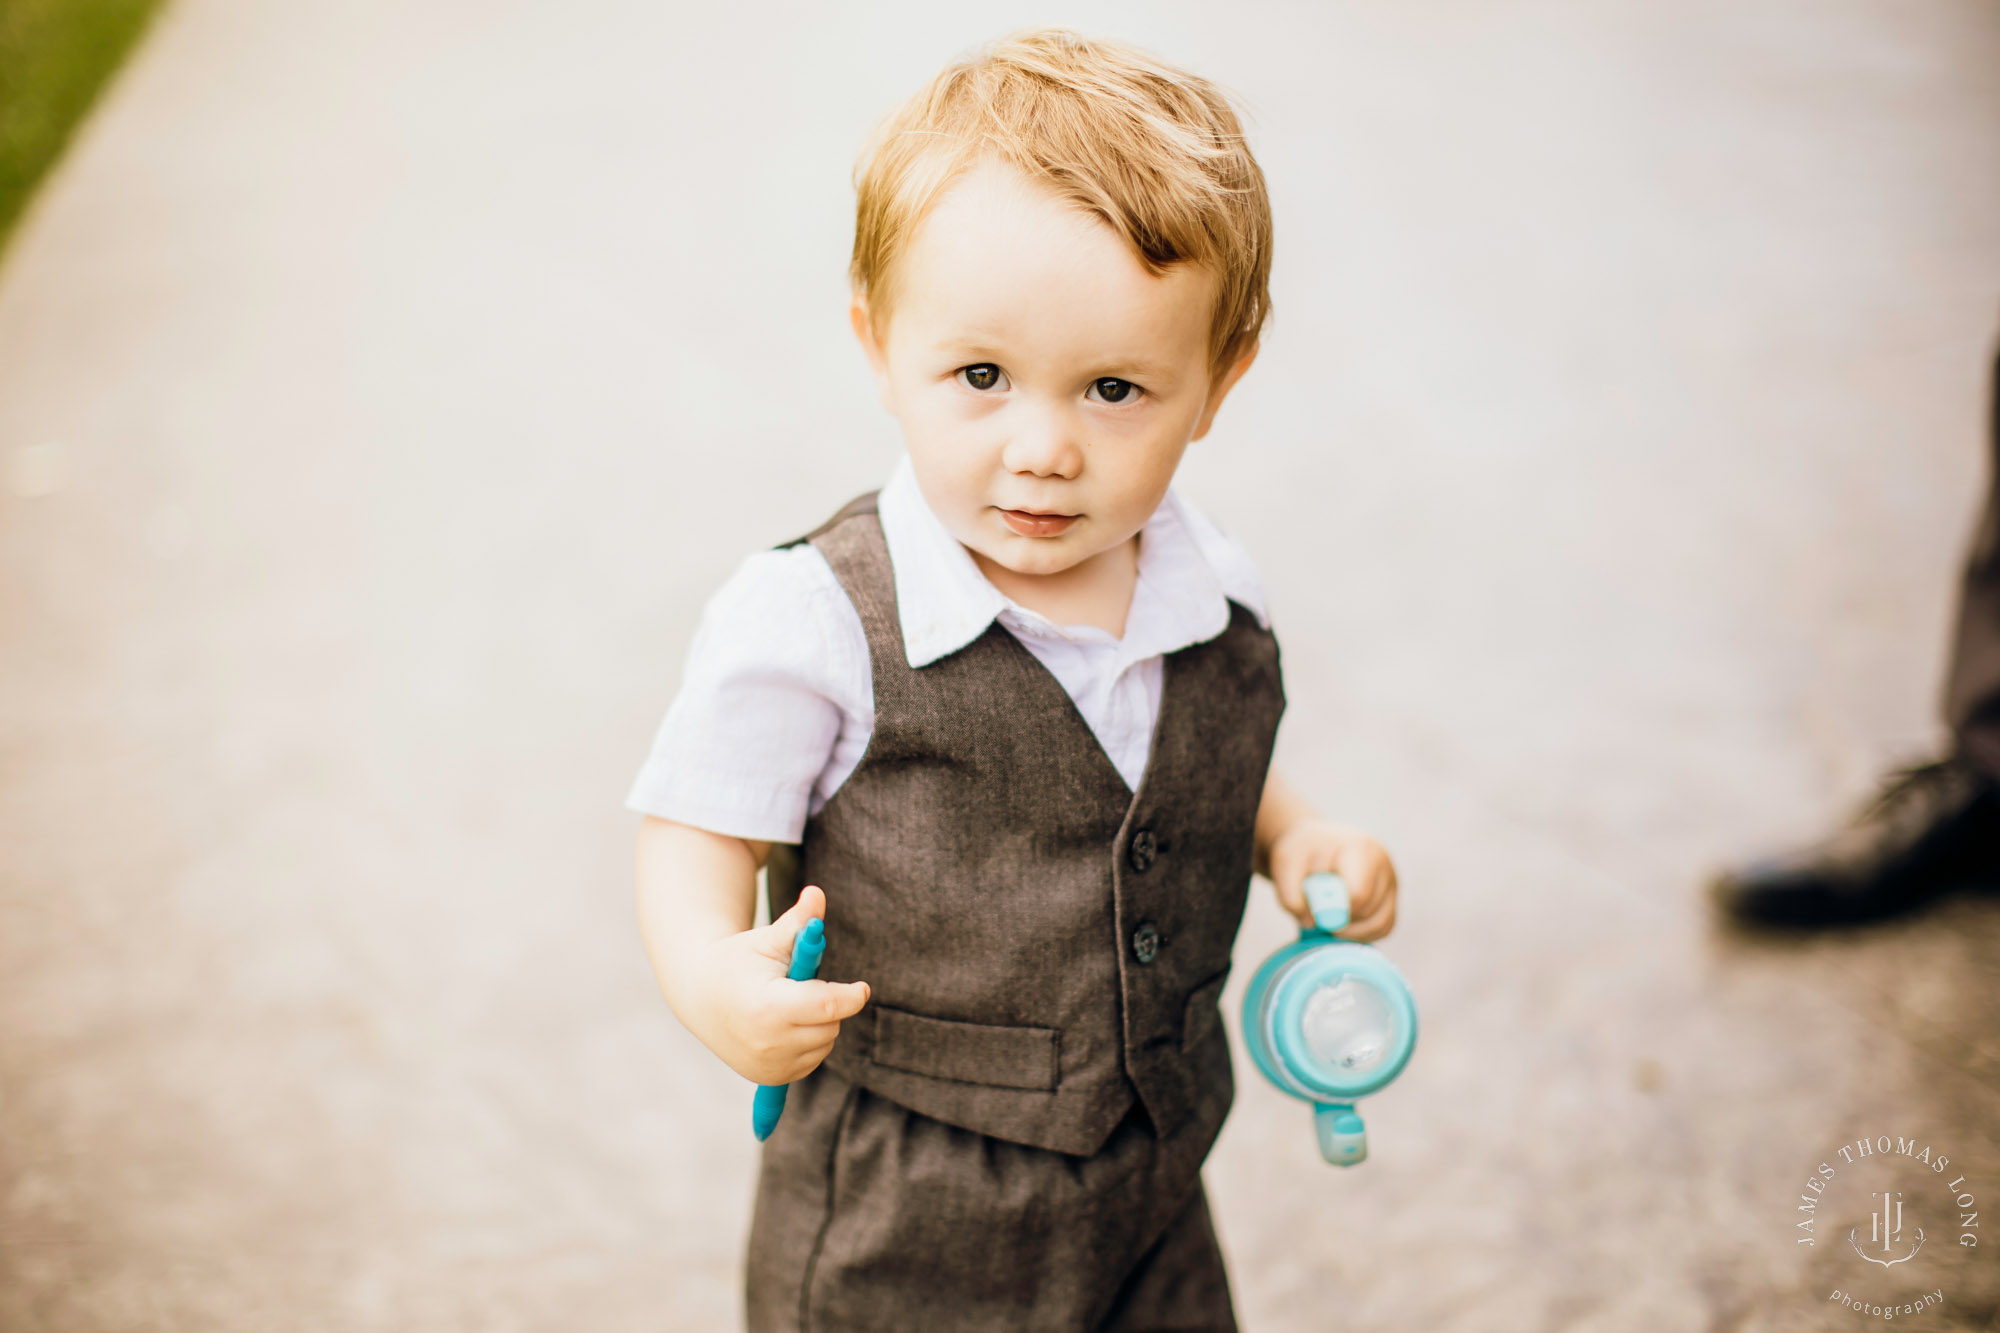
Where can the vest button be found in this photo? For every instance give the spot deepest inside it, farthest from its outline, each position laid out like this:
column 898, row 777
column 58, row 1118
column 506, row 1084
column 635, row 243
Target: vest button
column 1146, row 942
column 1145, row 850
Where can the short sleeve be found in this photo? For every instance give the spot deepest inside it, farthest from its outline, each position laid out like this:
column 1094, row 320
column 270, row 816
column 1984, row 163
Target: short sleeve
column 761, row 702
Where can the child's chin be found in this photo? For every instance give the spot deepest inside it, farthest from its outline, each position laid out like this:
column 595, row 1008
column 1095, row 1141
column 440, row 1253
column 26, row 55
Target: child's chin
column 1049, row 562
column 1033, row 555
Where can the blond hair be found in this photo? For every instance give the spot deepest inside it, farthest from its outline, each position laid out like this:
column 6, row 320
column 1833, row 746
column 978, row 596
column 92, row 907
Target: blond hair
column 1155, row 152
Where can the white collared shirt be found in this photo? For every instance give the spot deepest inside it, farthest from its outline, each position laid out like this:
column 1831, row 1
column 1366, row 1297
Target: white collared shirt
column 777, row 702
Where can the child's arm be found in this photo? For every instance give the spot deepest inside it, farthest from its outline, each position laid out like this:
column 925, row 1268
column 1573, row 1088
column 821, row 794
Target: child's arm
column 725, row 980
column 1293, row 842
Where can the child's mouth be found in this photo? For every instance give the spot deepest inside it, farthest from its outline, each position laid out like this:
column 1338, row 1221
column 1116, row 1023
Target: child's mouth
column 1037, row 525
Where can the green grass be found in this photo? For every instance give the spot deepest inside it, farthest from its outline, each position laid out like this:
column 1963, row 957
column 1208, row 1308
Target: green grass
column 55, row 56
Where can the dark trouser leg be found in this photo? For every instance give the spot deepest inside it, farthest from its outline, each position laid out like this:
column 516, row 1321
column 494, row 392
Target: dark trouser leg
column 1972, row 694
column 1935, row 826
column 1181, row 1284
column 870, row 1217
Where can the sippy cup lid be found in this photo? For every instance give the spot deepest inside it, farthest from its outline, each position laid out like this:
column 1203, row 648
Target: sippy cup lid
column 1328, row 1019
column 1339, row 1021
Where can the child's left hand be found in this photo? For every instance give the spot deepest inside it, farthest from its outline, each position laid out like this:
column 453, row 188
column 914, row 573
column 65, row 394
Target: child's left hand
column 1311, row 845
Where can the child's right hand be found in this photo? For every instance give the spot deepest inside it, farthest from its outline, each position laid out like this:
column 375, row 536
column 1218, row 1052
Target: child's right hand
column 763, row 1025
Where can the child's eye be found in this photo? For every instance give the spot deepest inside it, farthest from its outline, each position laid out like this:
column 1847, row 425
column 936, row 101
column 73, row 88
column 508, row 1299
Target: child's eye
column 983, row 376
column 1109, row 390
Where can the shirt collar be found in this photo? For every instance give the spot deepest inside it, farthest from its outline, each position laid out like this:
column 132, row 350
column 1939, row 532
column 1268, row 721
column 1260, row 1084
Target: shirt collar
column 1188, row 573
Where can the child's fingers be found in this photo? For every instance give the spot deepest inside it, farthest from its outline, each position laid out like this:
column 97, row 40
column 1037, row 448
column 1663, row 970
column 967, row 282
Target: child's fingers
column 776, row 941
column 1368, row 868
column 1358, row 860
column 805, row 1058
column 1289, row 866
column 811, row 903
column 1371, row 878
column 1374, row 926
column 810, row 1003
column 812, row 1038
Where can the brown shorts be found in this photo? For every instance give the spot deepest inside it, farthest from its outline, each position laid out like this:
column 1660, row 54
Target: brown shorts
column 871, row 1217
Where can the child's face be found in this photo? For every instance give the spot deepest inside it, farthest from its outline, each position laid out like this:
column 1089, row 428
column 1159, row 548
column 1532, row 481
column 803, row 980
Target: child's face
column 1038, row 368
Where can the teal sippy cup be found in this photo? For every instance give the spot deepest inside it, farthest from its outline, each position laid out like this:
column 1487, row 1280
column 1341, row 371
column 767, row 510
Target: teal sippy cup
column 1330, row 1020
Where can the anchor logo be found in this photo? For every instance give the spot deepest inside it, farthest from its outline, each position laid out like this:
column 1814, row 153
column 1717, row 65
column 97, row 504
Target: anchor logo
column 1886, row 1228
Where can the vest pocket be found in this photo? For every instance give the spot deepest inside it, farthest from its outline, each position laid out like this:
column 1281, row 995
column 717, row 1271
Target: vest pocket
column 998, row 1057
column 1202, row 1015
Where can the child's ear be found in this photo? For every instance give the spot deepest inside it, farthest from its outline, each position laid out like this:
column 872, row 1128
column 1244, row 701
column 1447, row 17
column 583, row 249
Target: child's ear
column 1220, row 390
column 864, row 333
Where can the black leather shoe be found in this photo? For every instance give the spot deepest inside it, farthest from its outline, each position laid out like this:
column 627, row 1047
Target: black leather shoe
column 1933, row 827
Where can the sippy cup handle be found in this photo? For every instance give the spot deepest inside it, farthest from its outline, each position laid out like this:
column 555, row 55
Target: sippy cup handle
column 1326, row 895
column 1343, row 1139
column 808, row 946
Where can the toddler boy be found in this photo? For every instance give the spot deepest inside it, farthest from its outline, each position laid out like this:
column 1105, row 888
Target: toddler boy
column 1016, row 711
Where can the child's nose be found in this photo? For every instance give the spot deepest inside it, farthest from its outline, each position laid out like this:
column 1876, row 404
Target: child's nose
column 1044, row 445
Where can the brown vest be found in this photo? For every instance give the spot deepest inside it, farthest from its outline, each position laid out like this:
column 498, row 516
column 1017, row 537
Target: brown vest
column 1042, row 945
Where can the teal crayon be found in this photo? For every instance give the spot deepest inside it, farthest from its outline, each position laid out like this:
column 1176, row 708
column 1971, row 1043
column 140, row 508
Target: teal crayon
column 807, row 949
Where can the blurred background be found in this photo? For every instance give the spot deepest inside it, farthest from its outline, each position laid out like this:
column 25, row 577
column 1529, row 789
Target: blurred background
column 385, row 386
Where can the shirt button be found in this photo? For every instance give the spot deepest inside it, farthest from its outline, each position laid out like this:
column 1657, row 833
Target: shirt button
column 1145, row 849
column 1146, row 942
